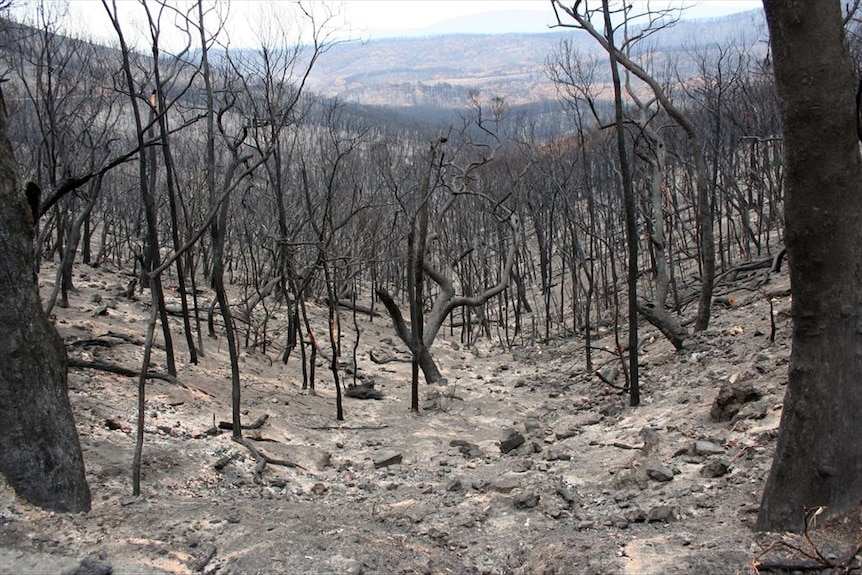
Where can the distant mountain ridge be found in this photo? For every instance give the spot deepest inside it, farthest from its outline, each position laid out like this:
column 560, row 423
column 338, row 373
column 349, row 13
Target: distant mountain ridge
column 440, row 70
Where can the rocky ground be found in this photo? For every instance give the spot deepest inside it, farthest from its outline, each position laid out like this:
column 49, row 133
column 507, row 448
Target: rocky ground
column 521, row 463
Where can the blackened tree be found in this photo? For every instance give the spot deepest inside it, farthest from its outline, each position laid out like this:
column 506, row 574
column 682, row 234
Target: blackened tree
column 39, row 450
column 818, row 459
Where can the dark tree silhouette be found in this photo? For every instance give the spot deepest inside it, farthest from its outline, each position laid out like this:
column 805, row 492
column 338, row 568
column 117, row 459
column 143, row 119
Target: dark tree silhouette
column 39, row 450
column 818, row 460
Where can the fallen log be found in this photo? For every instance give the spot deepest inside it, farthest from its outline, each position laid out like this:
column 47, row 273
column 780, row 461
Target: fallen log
column 119, row 370
column 256, row 424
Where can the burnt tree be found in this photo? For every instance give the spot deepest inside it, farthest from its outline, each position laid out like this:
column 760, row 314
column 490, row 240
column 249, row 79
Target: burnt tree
column 39, row 450
column 818, row 459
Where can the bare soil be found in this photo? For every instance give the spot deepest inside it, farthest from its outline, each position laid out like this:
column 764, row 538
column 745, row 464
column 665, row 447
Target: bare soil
column 596, row 487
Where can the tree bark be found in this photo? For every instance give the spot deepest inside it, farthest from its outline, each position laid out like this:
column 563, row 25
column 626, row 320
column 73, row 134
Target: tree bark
column 818, row 459
column 39, row 450
column 631, row 217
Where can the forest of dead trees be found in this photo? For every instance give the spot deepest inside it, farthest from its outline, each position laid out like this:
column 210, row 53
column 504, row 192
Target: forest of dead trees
column 208, row 165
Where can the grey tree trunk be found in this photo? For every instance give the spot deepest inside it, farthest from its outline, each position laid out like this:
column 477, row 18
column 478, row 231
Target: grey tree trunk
column 39, row 450
column 818, row 459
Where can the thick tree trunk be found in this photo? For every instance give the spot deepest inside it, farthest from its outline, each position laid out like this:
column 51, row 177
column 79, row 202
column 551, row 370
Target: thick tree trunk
column 419, row 349
column 818, row 459
column 39, row 450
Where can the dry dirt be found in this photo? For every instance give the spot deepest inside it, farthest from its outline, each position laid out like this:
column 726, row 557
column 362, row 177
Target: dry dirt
column 596, row 487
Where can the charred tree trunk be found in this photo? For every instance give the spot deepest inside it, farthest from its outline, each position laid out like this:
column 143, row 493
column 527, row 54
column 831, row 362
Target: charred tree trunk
column 631, row 217
column 39, row 450
column 818, row 459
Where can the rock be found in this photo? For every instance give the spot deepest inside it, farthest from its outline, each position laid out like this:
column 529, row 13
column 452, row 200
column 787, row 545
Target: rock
column 511, row 440
column 455, row 485
column 469, row 450
column 661, row 513
column 651, row 441
column 636, row 515
column 115, row 424
column 554, row 511
column 633, row 477
column 657, row 471
column 707, row 448
column 364, row 390
column 611, row 409
column 101, row 310
column 319, row 488
column 570, row 426
column 568, row 494
column 19, row 561
column 532, row 425
column 526, row 499
column 410, row 509
column 558, row 454
column 91, row 566
column 714, row 468
column 505, row 484
column 346, row 565
column 387, row 459
column 731, row 397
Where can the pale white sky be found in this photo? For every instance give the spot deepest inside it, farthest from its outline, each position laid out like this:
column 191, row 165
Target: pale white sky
column 364, row 19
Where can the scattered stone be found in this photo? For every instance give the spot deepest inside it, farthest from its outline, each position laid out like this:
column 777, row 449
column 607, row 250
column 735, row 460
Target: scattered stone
column 636, row 515
column 505, row 484
column 532, row 425
column 319, row 488
column 526, row 499
column 568, row 494
column 511, row 440
column 571, row 426
column 714, row 468
column 387, row 459
column 707, row 448
column 364, row 390
column 90, row 566
column 633, row 477
column 469, row 450
column 222, row 462
column 658, row 471
column 522, row 465
column 651, row 441
column 414, row 511
column 661, row 514
column 558, row 454
column 611, row 410
column 101, row 310
column 115, row 424
column 554, row 511
column 731, row 397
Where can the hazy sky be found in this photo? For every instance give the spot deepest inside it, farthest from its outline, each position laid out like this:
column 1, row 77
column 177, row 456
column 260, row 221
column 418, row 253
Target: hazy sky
column 413, row 15
column 370, row 19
